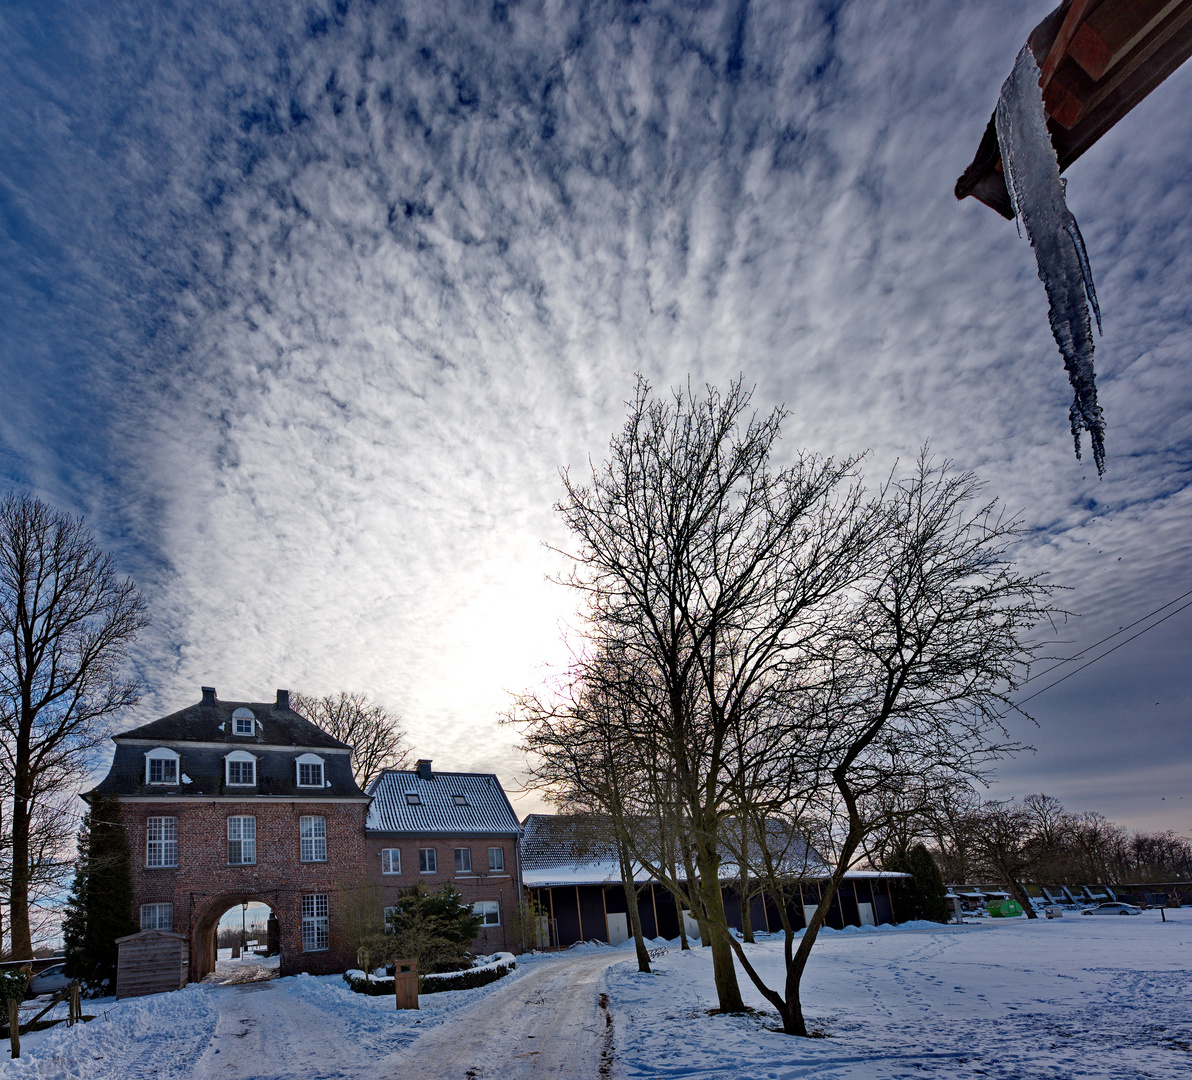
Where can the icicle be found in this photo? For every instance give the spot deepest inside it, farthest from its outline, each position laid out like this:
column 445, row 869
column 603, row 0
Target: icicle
column 1037, row 193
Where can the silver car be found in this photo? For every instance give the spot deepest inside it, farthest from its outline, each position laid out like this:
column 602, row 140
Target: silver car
column 1112, row 909
column 49, row 980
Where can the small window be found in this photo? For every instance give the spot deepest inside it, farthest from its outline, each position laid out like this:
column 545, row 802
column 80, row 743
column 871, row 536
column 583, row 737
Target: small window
column 161, row 841
column 390, row 912
column 313, row 837
column 496, row 859
column 426, row 860
column 310, row 771
column 413, row 798
column 242, row 841
column 161, row 767
column 157, row 916
column 390, row 860
column 243, row 722
column 314, row 921
column 241, row 769
column 463, row 860
column 490, row 910
column 459, row 800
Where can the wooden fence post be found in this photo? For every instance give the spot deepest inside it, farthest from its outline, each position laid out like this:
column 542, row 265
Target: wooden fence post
column 14, row 1026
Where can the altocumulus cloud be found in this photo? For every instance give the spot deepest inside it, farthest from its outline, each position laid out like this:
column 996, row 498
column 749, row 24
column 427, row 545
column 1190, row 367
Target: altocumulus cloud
column 307, row 303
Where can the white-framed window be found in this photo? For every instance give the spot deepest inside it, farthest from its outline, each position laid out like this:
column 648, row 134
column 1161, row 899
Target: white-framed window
column 310, row 771
column 426, row 860
column 241, row 768
column 463, row 860
column 312, row 833
column 242, row 841
column 314, row 921
column 243, row 722
column 490, row 909
column 390, row 860
column 157, row 916
column 161, row 766
column 389, row 913
column 496, row 859
column 161, row 841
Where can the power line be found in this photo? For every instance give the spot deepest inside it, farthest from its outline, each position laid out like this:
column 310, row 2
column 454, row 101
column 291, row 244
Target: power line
column 1095, row 644
column 1107, row 651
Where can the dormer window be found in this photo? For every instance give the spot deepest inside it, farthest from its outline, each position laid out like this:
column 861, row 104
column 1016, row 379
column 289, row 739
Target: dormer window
column 161, row 767
column 243, row 722
column 413, row 798
column 241, row 769
column 310, row 771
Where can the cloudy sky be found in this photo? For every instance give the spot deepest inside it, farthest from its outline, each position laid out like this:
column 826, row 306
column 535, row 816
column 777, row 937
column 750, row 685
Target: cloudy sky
column 304, row 306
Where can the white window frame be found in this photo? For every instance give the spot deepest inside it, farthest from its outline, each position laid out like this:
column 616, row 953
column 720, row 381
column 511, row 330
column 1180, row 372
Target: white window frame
column 390, row 860
column 312, row 839
column 239, row 717
column 157, row 916
column 488, row 908
column 392, row 909
column 428, row 861
column 308, row 760
column 246, row 844
column 463, row 860
column 162, row 754
column 161, row 842
column 242, row 757
column 316, row 922
column 496, row 860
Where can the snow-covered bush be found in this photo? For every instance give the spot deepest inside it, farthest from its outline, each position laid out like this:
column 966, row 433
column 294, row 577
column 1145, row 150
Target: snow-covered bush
column 485, row 969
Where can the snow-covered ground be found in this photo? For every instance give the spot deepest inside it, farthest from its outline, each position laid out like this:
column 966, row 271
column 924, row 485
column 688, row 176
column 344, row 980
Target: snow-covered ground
column 1084, row 996
column 1081, row 996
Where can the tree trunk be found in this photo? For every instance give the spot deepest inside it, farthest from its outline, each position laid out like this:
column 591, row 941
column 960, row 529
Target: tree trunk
column 1019, row 894
column 635, row 917
column 746, row 917
column 727, row 990
column 18, row 897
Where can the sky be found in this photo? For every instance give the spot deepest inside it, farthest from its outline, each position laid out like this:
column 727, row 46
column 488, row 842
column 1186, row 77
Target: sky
column 306, row 305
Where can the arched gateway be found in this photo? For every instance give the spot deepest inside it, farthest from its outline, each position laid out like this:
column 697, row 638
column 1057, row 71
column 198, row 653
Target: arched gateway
column 230, row 801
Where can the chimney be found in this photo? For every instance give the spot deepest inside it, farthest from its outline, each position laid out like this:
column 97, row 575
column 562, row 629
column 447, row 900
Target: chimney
column 208, row 695
column 423, row 767
column 283, row 699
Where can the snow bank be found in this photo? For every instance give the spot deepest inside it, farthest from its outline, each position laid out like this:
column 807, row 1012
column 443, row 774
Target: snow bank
column 1003, row 998
column 485, row 970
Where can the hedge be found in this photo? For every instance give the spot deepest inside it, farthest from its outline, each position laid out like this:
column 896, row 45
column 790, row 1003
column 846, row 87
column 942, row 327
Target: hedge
column 468, row 979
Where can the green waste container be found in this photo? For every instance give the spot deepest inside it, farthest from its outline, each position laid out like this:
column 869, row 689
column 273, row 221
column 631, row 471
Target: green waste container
column 1004, row 909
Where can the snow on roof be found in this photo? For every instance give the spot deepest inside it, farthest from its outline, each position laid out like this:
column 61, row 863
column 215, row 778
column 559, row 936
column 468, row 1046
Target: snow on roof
column 483, row 808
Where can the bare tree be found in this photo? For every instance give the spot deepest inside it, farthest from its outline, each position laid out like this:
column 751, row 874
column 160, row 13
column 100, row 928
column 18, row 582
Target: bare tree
column 377, row 742
column 711, row 571
column 66, row 622
column 914, row 679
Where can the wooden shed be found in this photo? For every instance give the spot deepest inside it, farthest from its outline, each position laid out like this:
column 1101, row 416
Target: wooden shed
column 151, row 962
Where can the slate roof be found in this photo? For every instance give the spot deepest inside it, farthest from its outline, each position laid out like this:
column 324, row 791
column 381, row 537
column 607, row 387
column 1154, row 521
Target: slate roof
column 209, row 721
column 282, row 737
column 486, row 810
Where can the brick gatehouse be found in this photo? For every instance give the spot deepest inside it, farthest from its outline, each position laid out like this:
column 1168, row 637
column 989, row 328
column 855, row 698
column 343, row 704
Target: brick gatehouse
column 225, row 802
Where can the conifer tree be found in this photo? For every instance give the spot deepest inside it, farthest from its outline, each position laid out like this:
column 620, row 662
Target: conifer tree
column 923, row 895
column 99, row 909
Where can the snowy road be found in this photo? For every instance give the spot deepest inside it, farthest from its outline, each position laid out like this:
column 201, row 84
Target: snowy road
column 550, row 1023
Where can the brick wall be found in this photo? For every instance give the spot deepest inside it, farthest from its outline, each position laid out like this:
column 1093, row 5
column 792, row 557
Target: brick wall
column 480, row 884
column 203, row 886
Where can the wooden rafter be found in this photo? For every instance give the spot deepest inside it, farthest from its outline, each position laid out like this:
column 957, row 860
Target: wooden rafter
column 1099, row 58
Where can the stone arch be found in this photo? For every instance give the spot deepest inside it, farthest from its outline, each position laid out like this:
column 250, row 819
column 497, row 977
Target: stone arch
column 207, row 915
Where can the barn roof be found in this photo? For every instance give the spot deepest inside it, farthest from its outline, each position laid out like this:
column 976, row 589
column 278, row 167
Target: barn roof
column 447, row 804
column 1099, row 58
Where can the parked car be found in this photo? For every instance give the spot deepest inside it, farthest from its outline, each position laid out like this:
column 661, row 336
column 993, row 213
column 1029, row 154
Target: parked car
column 49, row 980
column 1112, row 909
